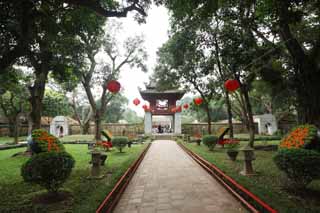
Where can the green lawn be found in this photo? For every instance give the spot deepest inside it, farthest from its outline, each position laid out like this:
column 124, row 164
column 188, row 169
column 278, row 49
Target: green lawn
column 262, row 142
column 245, row 137
column 267, row 184
column 87, row 194
column 70, row 138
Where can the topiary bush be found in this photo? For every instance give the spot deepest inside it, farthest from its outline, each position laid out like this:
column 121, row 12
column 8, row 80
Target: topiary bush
column 300, row 165
column 42, row 141
column 210, row 141
column 120, row 142
column 299, row 156
column 48, row 169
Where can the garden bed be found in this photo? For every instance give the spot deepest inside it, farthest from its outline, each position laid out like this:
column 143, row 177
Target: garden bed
column 267, row 184
column 18, row 196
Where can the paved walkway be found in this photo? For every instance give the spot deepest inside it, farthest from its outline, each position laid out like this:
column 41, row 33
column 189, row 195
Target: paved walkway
column 168, row 180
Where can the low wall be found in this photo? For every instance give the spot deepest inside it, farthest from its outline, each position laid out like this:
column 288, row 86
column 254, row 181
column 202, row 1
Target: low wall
column 4, row 129
column 200, row 128
column 114, row 128
column 134, row 129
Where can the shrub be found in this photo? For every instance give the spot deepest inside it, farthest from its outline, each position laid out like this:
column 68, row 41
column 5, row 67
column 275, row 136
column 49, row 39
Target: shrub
column 231, row 144
column 120, row 142
column 303, row 136
column 48, row 169
column 210, row 141
column 42, row 141
column 300, row 165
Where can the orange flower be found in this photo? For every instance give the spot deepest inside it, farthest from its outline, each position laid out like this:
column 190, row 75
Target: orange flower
column 295, row 139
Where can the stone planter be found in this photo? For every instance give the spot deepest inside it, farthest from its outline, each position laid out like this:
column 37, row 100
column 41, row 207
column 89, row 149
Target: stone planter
column 198, row 141
column 232, row 154
column 97, row 159
column 129, row 144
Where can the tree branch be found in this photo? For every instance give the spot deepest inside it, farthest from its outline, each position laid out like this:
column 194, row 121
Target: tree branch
column 96, row 6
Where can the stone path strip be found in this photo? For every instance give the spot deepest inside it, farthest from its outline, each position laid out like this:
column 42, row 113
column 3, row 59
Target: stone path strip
column 169, row 181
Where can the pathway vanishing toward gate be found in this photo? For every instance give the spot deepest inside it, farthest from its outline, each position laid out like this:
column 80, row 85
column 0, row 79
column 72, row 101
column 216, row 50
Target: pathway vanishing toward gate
column 168, row 180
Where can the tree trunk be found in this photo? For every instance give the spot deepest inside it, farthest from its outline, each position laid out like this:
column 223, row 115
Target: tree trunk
column 37, row 93
column 307, row 73
column 11, row 127
column 17, row 129
column 229, row 111
column 97, row 121
column 29, row 125
column 208, row 117
column 85, row 127
column 251, row 127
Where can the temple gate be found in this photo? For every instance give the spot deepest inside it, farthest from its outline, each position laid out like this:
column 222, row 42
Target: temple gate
column 161, row 104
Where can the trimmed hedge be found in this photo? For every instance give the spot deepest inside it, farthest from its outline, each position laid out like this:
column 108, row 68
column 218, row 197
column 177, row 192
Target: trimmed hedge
column 48, row 169
column 299, row 156
column 120, row 142
column 300, row 165
column 210, row 141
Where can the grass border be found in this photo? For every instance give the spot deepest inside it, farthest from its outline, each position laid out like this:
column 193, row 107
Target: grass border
column 111, row 200
column 247, row 198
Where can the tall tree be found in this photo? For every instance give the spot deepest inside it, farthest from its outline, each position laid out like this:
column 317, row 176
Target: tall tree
column 36, row 34
column 82, row 111
column 133, row 56
column 115, row 109
column 55, row 103
column 14, row 101
column 185, row 60
column 18, row 21
column 289, row 29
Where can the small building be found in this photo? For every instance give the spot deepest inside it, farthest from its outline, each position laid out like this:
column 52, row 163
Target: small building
column 267, row 123
column 59, row 126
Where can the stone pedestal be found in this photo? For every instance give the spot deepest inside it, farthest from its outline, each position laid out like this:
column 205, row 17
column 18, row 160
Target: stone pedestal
column 96, row 162
column 248, row 158
column 147, row 123
column 177, row 123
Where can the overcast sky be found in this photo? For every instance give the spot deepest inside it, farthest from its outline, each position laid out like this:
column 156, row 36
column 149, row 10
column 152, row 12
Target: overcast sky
column 155, row 31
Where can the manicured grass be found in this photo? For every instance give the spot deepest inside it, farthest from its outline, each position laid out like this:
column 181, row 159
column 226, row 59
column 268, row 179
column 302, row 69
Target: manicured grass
column 70, row 138
column 87, row 194
column 267, row 184
column 4, row 140
column 262, row 142
column 245, row 137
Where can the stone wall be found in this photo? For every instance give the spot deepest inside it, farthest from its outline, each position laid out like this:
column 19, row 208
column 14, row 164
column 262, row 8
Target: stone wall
column 134, row 129
column 114, row 128
column 4, row 129
column 202, row 128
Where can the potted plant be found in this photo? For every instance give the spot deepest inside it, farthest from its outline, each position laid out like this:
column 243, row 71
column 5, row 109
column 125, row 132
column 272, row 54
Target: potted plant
column 210, row 141
column 99, row 153
column 120, row 142
column 232, row 149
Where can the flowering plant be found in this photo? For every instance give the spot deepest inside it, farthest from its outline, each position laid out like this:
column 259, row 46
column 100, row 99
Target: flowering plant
column 107, row 145
column 299, row 137
column 42, row 141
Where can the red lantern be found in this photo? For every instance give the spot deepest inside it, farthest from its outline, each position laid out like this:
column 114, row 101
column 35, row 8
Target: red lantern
column 179, row 109
column 146, row 108
column 231, row 85
column 113, row 86
column 174, row 109
column 198, row 101
column 136, row 101
column 186, row 106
